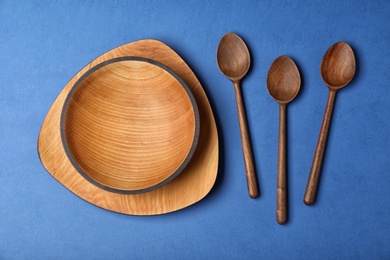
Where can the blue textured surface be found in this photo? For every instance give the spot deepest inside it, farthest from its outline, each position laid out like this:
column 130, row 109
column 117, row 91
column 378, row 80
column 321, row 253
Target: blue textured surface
column 44, row 43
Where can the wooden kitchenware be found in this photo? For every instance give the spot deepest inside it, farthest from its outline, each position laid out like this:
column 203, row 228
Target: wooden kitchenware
column 283, row 84
column 190, row 186
column 337, row 70
column 234, row 61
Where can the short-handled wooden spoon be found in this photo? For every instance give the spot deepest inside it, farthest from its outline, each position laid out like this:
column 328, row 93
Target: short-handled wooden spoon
column 337, row 70
column 283, row 83
column 234, row 61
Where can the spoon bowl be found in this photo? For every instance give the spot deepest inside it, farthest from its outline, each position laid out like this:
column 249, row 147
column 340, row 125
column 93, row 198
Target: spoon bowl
column 283, row 80
column 283, row 84
column 337, row 70
column 338, row 66
column 233, row 61
column 233, row 57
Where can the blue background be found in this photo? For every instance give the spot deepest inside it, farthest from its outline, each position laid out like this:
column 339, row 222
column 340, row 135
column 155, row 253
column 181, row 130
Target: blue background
column 44, row 43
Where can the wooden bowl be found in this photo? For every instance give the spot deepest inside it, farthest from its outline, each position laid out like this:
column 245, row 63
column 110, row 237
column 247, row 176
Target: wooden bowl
column 130, row 125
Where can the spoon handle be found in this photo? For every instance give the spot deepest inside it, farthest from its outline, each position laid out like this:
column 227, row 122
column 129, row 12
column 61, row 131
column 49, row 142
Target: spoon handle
column 312, row 182
column 281, row 194
column 246, row 145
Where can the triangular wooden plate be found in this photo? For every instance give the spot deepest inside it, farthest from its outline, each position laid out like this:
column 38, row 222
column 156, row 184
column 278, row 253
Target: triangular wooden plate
column 193, row 184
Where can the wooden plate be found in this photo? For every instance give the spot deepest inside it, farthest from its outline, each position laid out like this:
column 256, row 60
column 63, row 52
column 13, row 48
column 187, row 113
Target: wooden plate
column 130, row 125
column 190, row 186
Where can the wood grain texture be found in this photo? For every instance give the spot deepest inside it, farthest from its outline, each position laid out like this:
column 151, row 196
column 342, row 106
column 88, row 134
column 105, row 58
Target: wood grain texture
column 338, row 65
column 250, row 172
column 312, row 183
column 193, row 184
column 129, row 125
column 281, row 189
column 337, row 69
column 234, row 61
column 233, row 57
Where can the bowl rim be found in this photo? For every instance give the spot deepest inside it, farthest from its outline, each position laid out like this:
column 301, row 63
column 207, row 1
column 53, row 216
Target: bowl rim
column 172, row 175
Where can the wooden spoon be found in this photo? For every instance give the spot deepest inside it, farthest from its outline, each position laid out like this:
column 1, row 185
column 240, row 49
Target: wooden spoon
column 233, row 61
column 283, row 83
column 337, row 70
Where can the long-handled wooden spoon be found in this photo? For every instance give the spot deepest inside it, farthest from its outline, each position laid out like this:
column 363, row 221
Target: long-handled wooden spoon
column 337, row 70
column 283, row 83
column 233, row 61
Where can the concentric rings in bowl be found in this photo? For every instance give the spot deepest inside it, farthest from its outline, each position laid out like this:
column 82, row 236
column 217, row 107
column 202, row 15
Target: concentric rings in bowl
column 130, row 125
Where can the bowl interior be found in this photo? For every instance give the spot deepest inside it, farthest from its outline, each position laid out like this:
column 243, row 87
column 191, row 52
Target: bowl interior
column 130, row 125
